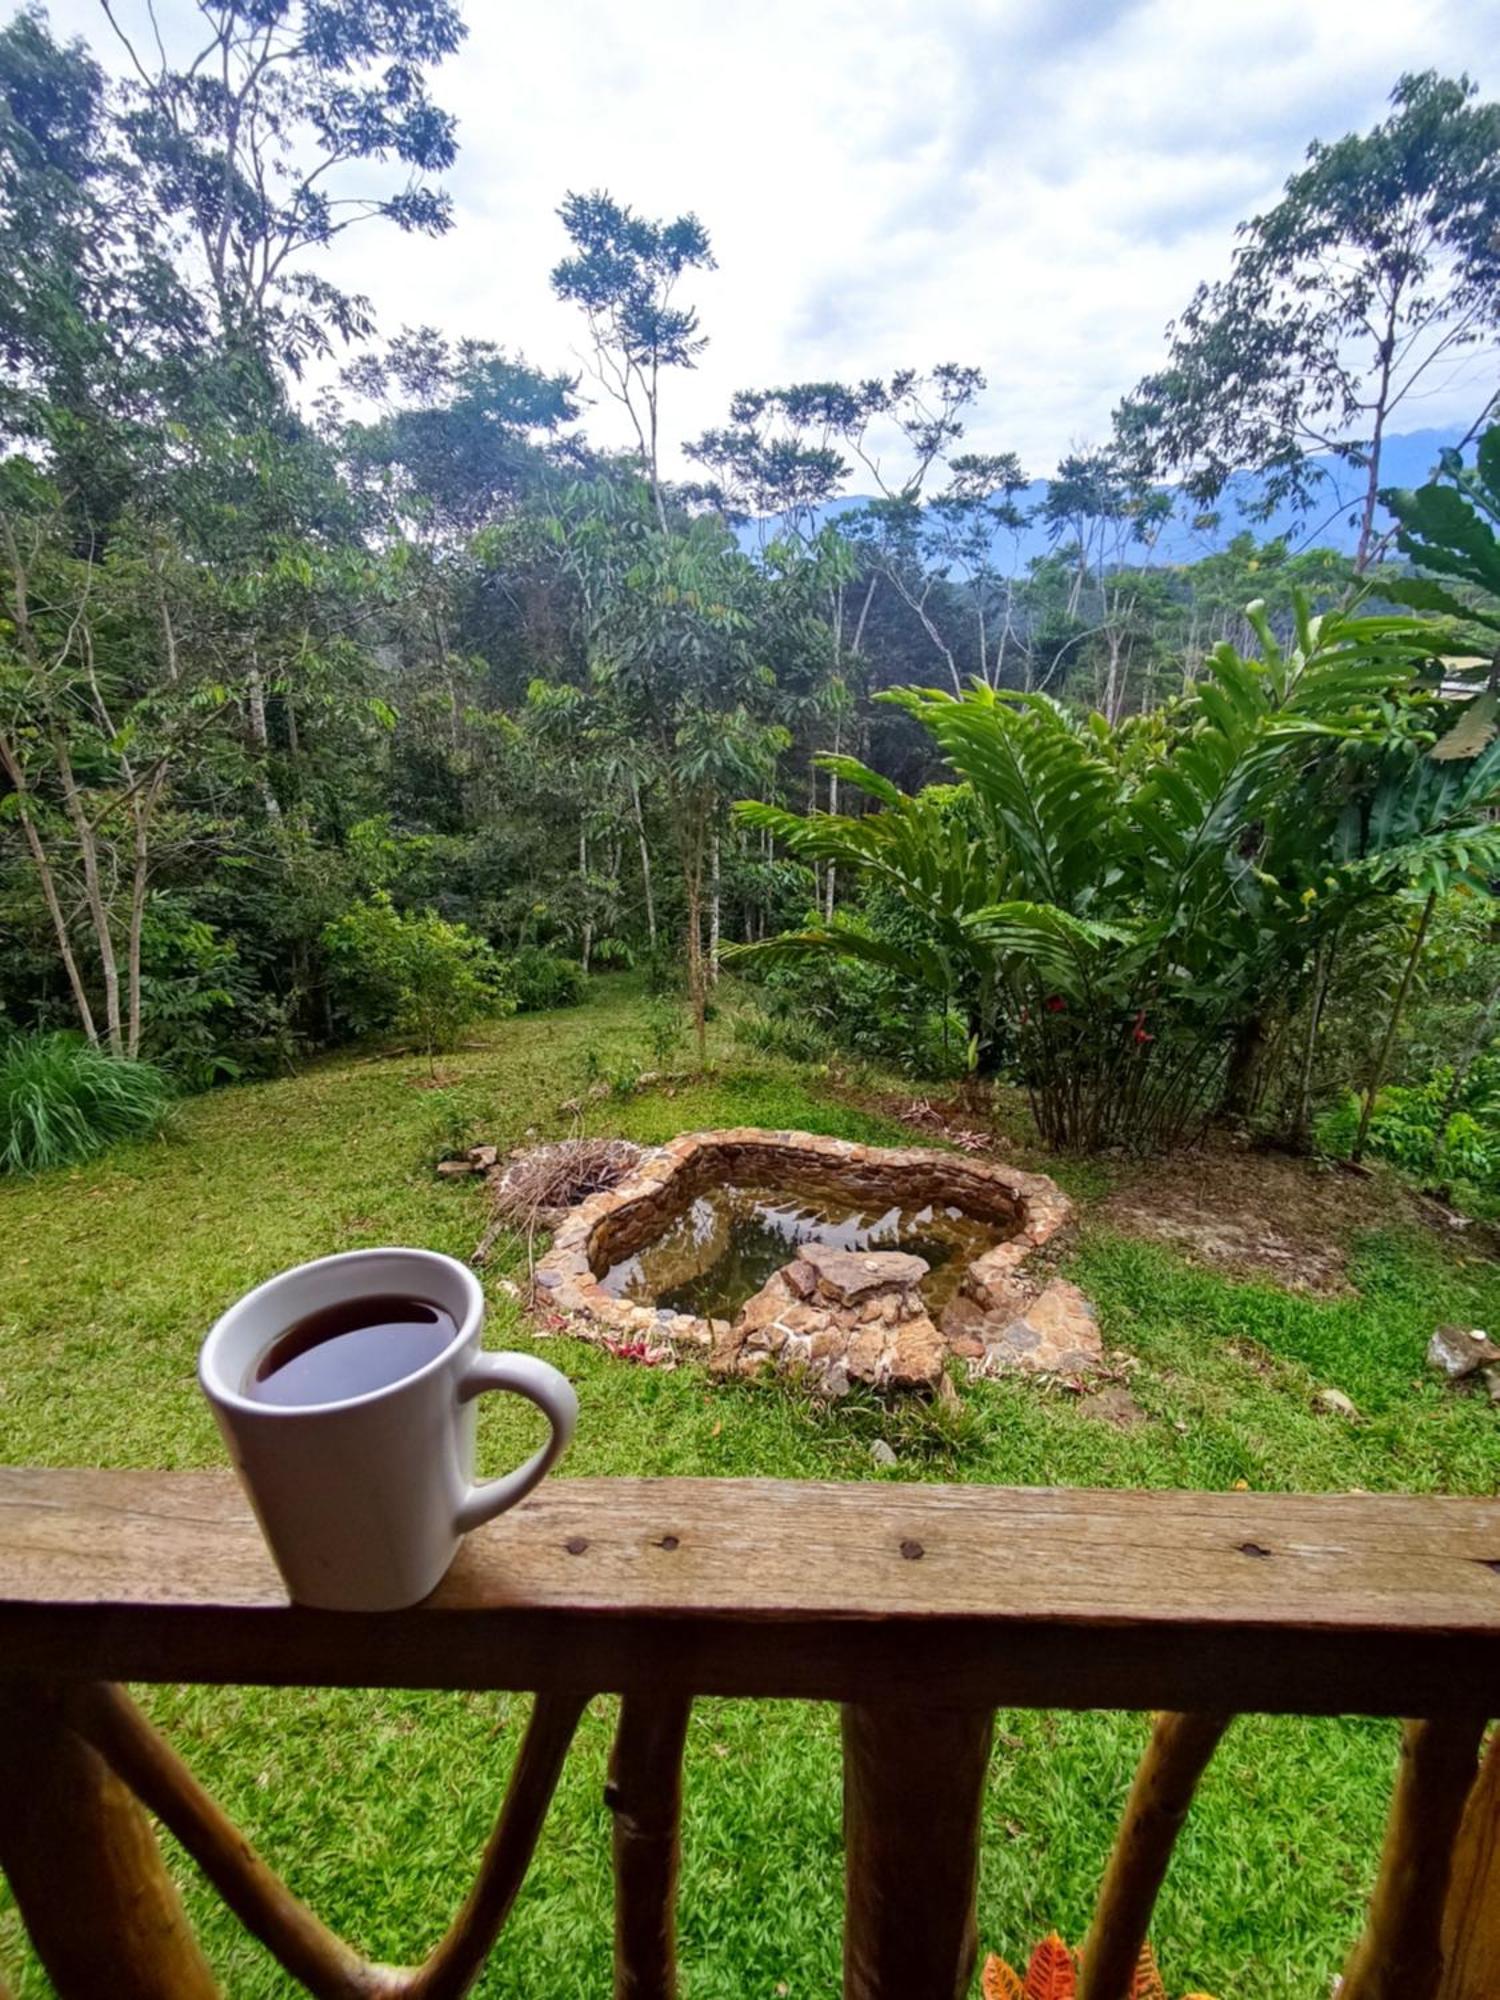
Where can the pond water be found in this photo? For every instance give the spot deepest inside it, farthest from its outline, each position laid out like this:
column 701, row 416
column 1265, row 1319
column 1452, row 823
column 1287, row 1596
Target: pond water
column 725, row 1244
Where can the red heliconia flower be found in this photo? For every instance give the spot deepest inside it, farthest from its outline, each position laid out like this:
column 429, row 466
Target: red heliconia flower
column 1139, row 1032
column 1054, row 1003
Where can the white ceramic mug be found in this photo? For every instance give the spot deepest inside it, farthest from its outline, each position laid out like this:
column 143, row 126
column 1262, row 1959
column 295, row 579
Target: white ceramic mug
column 363, row 1501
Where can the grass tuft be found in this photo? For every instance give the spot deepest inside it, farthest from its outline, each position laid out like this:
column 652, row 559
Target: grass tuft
column 63, row 1100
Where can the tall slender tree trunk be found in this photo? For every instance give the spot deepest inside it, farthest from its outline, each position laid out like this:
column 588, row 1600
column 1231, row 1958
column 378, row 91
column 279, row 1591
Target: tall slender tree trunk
column 583, row 883
column 255, row 703
column 715, row 907
column 1366, row 543
column 140, row 813
column 653, row 406
column 1387, row 1040
column 40, row 860
column 692, row 882
column 812, row 807
column 1302, row 1128
column 830, row 879
column 1242, row 1078
column 640, row 834
column 864, row 611
column 93, row 885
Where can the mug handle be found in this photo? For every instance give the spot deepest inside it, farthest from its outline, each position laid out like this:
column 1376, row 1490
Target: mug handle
column 539, row 1383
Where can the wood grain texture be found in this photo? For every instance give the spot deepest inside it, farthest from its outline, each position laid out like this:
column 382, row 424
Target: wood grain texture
column 84, row 1867
column 316, row 1957
column 1400, row 1956
column 1471, row 1918
column 644, row 1793
column 913, row 1787
column 1320, row 1604
column 1176, row 1758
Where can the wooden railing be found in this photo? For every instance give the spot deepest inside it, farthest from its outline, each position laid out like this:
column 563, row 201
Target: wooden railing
column 919, row 1609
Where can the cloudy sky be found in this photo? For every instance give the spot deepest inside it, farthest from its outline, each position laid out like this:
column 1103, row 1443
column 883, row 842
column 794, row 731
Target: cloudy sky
column 1034, row 186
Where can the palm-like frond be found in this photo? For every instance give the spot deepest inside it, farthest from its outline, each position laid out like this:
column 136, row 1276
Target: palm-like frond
column 1049, row 800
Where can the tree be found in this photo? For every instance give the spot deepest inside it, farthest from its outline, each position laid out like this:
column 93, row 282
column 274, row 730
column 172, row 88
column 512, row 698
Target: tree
column 777, row 460
column 624, row 273
column 96, row 703
column 97, row 333
column 242, row 131
column 413, row 972
column 1098, row 514
column 460, row 431
column 676, row 691
column 1381, row 259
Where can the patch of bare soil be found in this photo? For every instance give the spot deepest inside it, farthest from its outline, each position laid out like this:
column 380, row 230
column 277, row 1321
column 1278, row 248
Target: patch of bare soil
column 1252, row 1213
column 1272, row 1215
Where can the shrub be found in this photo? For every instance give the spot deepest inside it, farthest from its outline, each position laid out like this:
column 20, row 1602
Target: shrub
column 193, row 997
column 665, row 972
column 1445, row 1135
column 540, row 980
column 815, row 1008
column 63, row 1100
column 413, row 972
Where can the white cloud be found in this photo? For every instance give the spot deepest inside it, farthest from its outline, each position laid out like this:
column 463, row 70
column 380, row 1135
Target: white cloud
column 1035, row 186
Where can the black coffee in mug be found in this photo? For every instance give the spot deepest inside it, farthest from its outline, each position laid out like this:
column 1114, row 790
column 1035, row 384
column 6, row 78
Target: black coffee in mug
column 348, row 1349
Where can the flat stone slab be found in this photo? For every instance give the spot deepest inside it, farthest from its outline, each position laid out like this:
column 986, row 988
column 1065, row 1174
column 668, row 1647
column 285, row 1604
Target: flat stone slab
column 1055, row 1333
column 847, row 1275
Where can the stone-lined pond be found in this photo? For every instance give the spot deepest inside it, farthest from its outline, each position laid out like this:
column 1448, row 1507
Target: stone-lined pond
column 723, row 1246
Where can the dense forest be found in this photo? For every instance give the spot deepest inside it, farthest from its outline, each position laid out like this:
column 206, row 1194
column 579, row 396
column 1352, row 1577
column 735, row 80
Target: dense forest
column 380, row 706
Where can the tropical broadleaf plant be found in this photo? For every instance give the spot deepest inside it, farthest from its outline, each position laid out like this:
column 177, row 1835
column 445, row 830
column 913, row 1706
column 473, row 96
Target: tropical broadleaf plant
column 1451, row 532
column 1119, row 911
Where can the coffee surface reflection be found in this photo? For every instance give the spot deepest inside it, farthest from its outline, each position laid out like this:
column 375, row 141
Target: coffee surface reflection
column 349, row 1349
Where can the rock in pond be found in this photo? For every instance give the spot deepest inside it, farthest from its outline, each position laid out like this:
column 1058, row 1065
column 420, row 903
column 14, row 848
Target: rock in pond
column 837, row 1317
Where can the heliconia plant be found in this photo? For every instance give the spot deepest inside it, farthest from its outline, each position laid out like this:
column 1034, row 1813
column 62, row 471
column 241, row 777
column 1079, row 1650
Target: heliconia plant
column 1053, row 1973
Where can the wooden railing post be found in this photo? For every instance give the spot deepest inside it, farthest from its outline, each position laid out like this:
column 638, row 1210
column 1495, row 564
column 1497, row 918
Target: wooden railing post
column 1400, row 1955
column 108, row 1722
column 84, row 1866
column 644, row 1793
column 1175, row 1760
column 913, row 1788
column 1471, row 1918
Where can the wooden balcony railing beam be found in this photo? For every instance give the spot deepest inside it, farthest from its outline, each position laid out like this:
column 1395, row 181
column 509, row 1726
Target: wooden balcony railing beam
column 913, row 1788
column 1378, row 1605
column 918, row 1609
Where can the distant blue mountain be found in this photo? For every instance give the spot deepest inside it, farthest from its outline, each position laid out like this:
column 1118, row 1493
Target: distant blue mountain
column 1333, row 523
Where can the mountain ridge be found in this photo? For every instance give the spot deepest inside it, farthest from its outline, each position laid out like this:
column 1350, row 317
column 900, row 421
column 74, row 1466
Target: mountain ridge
column 1409, row 458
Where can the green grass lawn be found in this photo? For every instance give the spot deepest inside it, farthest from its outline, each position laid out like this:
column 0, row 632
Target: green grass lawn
column 374, row 1805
